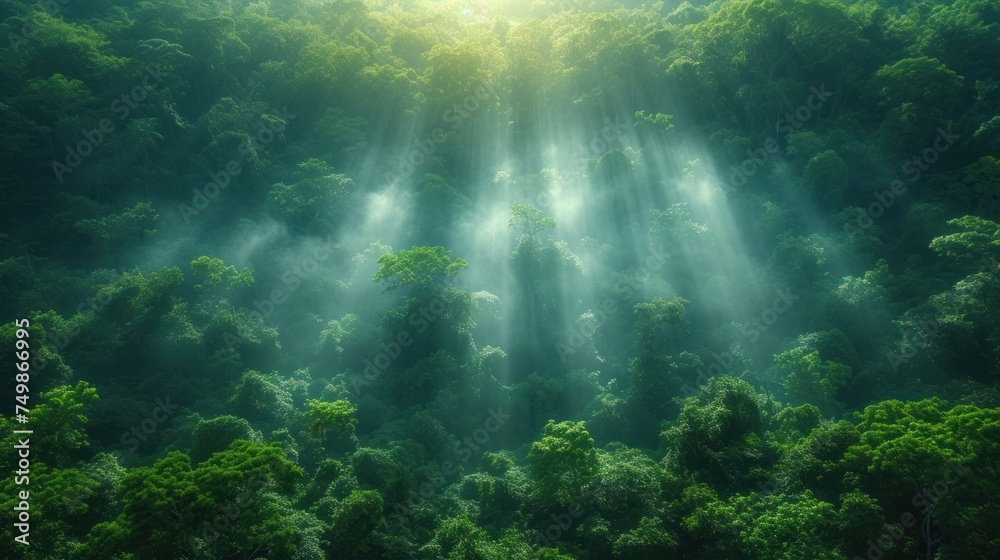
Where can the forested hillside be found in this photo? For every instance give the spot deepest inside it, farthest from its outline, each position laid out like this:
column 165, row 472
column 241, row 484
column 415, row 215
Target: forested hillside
column 523, row 279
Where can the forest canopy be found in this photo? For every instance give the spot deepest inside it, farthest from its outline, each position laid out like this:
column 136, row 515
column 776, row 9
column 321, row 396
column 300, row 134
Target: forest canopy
column 523, row 279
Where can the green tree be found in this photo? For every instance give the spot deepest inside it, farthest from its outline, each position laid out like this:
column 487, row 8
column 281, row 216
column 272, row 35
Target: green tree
column 326, row 416
column 629, row 487
column 440, row 207
column 785, row 526
column 719, row 437
column 920, row 94
column 357, row 525
column 314, row 202
column 563, row 463
column 825, row 179
column 60, row 421
column 708, row 522
column 647, row 541
column 46, row 333
column 217, row 277
column 983, row 178
column 384, row 470
column 543, row 268
column 809, row 379
column 976, row 239
column 660, row 321
column 419, row 266
column 656, row 123
column 260, row 398
column 132, row 227
column 764, row 54
column 58, row 505
column 924, row 81
column 229, row 504
column 529, row 220
column 217, row 434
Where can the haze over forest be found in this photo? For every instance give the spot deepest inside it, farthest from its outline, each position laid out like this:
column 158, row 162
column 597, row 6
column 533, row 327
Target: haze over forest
column 523, row 279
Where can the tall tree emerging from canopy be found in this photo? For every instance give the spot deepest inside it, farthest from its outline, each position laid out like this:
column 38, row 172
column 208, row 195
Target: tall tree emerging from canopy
column 419, row 266
column 543, row 270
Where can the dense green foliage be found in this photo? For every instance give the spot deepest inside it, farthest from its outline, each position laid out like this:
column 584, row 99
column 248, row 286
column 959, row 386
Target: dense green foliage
column 525, row 279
